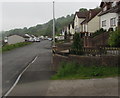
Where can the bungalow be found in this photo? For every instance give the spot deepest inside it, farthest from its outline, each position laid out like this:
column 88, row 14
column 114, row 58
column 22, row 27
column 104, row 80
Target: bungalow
column 13, row 39
column 91, row 23
column 79, row 17
column 109, row 15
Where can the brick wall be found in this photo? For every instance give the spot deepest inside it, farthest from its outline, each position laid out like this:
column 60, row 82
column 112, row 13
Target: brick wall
column 86, row 60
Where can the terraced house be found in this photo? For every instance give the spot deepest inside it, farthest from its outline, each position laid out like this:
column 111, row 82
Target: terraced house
column 79, row 17
column 91, row 23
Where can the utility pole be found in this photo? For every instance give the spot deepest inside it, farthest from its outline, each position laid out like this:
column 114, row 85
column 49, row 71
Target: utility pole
column 53, row 25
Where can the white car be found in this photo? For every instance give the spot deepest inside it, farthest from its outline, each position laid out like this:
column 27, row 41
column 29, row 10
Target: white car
column 50, row 39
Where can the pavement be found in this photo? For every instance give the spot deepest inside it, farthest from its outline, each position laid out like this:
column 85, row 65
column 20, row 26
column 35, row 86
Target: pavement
column 84, row 87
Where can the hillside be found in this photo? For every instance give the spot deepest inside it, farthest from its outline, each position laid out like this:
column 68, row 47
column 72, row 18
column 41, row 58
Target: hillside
column 43, row 29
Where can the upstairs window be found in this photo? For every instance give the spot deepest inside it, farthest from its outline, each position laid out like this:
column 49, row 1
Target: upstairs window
column 113, row 22
column 114, row 3
column 105, row 8
column 104, row 23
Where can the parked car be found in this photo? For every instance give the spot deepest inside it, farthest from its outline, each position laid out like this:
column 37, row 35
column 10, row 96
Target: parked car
column 37, row 39
column 50, row 39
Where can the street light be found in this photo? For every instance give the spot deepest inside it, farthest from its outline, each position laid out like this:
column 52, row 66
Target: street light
column 53, row 25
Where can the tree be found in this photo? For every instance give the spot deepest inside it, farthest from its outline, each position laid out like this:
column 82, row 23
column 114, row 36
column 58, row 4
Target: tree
column 97, row 8
column 77, row 43
column 83, row 10
column 114, row 39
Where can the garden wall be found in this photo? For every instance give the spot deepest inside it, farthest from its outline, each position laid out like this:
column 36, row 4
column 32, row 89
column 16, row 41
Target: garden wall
column 86, row 60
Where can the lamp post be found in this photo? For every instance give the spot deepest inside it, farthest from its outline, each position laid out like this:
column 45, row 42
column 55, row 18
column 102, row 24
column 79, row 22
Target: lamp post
column 53, row 25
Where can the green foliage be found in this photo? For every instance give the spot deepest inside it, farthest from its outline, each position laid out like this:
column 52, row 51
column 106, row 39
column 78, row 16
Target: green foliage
column 100, row 31
column 83, row 10
column 13, row 46
column 97, row 8
column 77, row 43
column 73, row 70
column 43, row 29
column 114, row 39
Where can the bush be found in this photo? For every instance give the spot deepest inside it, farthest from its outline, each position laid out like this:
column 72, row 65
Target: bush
column 100, row 31
column 114, row 39
column 77, row 42
column 73, row 70
column 13, row 46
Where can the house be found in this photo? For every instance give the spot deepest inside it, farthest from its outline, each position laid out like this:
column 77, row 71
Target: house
column 109, row 15
column 13, row 39
column 72, row 30
column 91, row 23
column 68, row 29
column 79, row 17
column 118, row 11
column 64, row 30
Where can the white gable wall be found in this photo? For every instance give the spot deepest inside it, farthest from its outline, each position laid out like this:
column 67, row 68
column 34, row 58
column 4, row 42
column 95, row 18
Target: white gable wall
column 107, row 17
column 77, row 22
column 72, row 31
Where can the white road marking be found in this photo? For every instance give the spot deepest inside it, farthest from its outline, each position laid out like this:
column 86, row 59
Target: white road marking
column 20, row 77
column 34, row 59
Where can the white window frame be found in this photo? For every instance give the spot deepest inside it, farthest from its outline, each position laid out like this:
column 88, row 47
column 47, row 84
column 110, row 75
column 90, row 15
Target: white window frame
column 114, row 3
column 113, row 22
column 105, row 8
column 104, row 23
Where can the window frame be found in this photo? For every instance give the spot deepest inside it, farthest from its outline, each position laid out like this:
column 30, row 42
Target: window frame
column 113, row 22
column 104, row 23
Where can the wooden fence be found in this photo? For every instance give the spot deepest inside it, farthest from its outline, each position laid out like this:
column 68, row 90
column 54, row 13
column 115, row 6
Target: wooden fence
column 96, row 51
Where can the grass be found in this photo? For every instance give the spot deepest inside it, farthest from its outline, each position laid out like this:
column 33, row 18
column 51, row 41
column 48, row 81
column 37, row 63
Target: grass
column 13, row 46
column 73, row 70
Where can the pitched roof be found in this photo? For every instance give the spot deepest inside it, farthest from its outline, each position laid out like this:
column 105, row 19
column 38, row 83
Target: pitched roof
column 81, row 14
column 112, row 9
column 92, row 13
column 105, row 1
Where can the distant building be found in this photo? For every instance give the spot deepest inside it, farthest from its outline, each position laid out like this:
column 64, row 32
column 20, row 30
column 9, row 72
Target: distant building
column 68, row 29
column 13, row 39
column 72, row 30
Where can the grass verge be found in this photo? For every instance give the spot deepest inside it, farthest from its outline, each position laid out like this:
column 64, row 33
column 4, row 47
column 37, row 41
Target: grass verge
column 73, row 70
column 13, row 46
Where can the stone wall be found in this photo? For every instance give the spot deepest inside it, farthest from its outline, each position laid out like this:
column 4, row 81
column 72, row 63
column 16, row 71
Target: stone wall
column 86, row 60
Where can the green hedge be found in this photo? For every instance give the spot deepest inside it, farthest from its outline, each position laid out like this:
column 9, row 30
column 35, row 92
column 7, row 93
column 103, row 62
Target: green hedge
column 13, row 46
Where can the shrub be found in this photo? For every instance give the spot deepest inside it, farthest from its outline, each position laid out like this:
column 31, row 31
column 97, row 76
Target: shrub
column 114, row 39
column 100, row 31
column 13, row 46
column 77, row 42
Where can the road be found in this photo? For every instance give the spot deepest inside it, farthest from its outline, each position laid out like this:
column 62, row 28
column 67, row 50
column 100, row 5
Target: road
column 35, row 81
column 16, row 60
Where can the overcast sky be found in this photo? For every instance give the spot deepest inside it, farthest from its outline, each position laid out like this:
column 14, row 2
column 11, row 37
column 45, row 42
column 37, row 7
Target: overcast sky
column 26, row 14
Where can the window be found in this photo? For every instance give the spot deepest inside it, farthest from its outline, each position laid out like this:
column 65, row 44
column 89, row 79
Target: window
column 104, row 23
column 105, row 8
column 114, row 3
column 113, row 22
